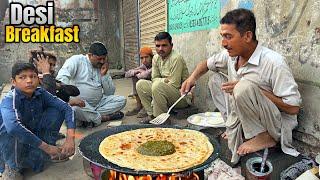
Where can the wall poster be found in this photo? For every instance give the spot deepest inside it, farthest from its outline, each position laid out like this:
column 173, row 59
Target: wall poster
column 192, row 15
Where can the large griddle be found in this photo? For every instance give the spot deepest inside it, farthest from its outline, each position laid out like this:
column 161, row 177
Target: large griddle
column 89, row 149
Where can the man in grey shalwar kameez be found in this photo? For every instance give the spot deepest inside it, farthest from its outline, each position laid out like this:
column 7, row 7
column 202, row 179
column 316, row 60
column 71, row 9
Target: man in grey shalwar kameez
column 258, row 97
column 89, row 73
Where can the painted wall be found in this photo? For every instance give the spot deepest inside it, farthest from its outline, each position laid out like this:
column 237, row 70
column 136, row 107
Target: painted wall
column 289, row 27
column 98, row 20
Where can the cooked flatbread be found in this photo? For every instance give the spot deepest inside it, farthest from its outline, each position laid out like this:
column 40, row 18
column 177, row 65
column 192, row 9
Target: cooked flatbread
column 191, row 148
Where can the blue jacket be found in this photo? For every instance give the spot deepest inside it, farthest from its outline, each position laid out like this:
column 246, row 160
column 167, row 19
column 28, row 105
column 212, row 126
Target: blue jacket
column 20, row 114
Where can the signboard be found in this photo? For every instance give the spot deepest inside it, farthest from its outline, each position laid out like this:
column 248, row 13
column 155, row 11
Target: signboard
column 192, row 15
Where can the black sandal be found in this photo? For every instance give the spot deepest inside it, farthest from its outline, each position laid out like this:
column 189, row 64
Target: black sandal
column 116, row 115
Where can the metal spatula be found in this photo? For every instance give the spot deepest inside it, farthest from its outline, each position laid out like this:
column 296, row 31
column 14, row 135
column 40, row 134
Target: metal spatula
column 164, row 116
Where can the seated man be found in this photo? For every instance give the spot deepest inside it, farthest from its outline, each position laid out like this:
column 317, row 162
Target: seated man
column 89, row 74
column 169, row 70
column 30, row 121
column 141, row 72
column 262, row 96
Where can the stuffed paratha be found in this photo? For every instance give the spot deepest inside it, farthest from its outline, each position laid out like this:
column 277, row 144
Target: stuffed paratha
column 191, row 148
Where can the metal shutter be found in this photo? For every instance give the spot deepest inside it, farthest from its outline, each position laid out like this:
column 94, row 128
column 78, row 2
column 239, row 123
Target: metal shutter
column 130, row 32
column 153, row 19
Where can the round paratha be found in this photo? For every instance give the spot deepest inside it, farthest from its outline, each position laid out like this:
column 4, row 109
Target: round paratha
column 191, row 148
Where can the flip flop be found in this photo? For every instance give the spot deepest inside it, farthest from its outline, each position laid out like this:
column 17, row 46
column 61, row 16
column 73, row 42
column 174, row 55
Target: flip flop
column 66, row 91
column 116, row 115
column 133, row 112
column 142, row 113
column 60, row 159
column 132, row 95
column 70, row 90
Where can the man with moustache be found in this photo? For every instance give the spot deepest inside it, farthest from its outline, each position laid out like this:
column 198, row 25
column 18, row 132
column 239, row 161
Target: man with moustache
column 169, row 70
column 89, row 73
column 258, row 97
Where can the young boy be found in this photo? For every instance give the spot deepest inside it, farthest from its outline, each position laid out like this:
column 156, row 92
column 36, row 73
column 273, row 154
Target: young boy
column 30, row 121
column 45, row 62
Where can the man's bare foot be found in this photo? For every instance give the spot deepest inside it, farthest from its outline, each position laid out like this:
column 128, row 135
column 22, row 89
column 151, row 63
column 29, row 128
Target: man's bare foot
column 261, row 141
column 224, row 135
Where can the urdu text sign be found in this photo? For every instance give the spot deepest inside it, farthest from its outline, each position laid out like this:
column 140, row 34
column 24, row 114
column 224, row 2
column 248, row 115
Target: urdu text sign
column 193, row 15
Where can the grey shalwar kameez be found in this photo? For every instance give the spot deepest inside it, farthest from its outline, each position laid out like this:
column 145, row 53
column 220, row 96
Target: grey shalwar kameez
column 97, row 91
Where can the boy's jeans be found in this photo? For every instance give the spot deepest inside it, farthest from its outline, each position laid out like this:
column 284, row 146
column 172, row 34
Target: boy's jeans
column 18, row 155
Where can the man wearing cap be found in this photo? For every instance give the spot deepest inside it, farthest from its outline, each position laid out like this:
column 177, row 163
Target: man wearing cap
column 169, row 70
column 89, row 73
column 141, row 72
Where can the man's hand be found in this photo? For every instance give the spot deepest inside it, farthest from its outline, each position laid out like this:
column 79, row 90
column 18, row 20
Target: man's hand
column 187, row 85
column 42, row 64
column 104, row 69
column 68, row 148
column 139, row 76
column 77, row 102
column 229, row 86
column 52, row 151
column 293, row 110
column 138, row 71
